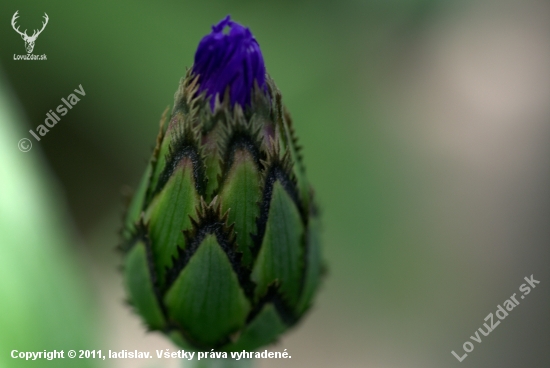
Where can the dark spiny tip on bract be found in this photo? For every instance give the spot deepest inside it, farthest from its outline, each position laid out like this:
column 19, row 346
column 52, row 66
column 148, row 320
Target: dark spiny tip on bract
column 187, row 97
column 185, row 142
column 275, row 161
column 210, row 221
column 239, row 133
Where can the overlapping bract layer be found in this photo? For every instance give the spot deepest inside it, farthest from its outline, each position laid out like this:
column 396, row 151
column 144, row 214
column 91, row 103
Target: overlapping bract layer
column 221, row 238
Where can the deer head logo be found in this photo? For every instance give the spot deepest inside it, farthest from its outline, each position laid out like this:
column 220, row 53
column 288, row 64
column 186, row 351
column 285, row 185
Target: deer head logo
column 29, row 40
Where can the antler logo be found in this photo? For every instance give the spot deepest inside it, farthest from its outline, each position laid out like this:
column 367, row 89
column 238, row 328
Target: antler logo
column 29, row 40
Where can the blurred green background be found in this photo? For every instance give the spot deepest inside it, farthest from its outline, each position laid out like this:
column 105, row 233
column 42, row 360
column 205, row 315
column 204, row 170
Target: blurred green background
column 426, row 127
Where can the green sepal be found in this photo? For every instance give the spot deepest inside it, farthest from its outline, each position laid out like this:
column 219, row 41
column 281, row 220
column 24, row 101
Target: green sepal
column 139, row 284
column 262, row 330
column 240, row 195
column 212, row 160
column 206, row 299
column 313, row 264
column 169, row 215
column 289, row 143
column 162, row 151
column 136, row 205
column 280, row 258
column 135, row 208
column 298, row 168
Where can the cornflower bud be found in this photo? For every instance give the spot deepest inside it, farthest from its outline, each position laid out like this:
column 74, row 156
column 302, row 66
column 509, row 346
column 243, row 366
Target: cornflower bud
column 221, row 239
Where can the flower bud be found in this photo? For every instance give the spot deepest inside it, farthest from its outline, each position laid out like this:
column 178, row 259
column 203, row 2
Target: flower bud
column 221, row 240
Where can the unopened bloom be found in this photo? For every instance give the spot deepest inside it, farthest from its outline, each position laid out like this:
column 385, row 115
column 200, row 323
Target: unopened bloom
column 221, row 239
column 231, row 59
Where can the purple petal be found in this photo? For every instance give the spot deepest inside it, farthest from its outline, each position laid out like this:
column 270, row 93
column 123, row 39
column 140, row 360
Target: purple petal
column 231, row 59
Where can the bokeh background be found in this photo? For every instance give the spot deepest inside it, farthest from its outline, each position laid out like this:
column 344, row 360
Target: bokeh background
column 426, row 127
